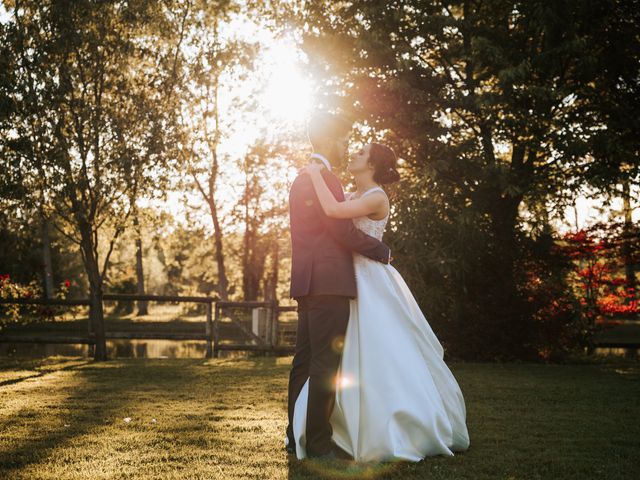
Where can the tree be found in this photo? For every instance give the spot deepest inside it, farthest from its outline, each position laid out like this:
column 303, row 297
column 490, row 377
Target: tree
column 486, row 103
column 615, row 101
column 89, row 74
column 600, row 255
column 143, row 305
column 214, row 61
column 16, row 187
column 260, row 211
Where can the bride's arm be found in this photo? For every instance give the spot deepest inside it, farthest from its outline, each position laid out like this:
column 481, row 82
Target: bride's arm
column 373, row 204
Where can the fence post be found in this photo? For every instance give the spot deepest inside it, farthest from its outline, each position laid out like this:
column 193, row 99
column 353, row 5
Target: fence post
column 260, row 323
column 216, row 332
column 268, row 330
column 274, row 323
column 209, row 331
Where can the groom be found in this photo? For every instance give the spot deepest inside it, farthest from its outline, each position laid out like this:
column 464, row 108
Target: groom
column 322, row 282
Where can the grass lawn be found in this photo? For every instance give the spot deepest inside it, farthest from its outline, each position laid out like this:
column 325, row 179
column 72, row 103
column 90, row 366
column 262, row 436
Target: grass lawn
column 66, row 418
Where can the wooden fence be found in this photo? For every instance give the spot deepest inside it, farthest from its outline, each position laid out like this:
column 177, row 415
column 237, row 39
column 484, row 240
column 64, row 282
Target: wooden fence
column 268, row 314
column 266, row 341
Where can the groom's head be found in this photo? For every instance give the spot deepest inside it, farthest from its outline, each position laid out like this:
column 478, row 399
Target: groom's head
column 329, row 136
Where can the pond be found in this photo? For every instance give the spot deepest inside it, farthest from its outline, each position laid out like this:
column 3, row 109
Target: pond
column 116, row 349
column 175, row 349
column 627, row 352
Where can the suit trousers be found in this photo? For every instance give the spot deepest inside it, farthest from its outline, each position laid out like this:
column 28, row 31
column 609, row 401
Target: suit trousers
column 322, row 324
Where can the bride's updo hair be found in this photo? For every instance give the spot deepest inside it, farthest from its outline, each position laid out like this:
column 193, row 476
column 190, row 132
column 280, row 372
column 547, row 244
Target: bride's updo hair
column 384, row 162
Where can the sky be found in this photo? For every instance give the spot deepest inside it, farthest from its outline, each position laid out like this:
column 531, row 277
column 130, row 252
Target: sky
column 590, row 208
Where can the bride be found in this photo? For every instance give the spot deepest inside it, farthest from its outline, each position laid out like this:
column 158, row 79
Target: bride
column 396, row 399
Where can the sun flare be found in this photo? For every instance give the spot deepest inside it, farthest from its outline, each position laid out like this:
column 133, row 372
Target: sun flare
column 288, row 93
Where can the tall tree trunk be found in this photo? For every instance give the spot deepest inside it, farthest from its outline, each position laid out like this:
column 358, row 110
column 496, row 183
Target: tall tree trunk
column 96, row 317
column 213, row 141
column 253, row 261
column 246, row 247
column 96, row 311
column 504, row 220
column 46, row 258
column 251, row 269
column 543, row 215
column 143, row 305
column 257, row 259
column 504, row 302
column 627, row 246
column 223, row 284
column 271, row 287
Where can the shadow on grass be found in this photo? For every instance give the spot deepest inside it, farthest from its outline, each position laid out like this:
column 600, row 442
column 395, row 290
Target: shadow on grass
column 44, row 435
column 92, row 398
column 225, row 418
column 42, row 373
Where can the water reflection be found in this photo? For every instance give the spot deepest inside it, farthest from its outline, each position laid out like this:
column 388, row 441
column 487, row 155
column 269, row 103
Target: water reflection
column 35, row 350
column 176, row 349
column 627, row 352
column 155, row 349
column 115, row 349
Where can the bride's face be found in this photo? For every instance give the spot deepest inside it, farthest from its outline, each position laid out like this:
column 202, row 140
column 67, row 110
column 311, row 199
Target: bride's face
column 359, row 161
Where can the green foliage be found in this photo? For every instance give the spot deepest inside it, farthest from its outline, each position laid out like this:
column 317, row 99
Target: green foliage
column 88, row 96
column 12, row 314
column 21, row 251
column 19, row 247
column 491, row 105
column 496, row 109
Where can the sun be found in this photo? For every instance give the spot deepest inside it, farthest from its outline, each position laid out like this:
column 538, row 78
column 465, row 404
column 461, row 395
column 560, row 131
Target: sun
column 287, row 95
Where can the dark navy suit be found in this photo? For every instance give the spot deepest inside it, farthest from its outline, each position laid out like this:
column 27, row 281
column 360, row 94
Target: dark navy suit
column 322, row 281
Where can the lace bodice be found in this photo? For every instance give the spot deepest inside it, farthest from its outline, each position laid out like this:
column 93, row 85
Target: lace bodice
column 375, row 228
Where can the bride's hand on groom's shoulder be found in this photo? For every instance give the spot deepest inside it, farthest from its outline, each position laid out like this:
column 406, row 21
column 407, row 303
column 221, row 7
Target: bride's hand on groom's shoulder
column 311, row 168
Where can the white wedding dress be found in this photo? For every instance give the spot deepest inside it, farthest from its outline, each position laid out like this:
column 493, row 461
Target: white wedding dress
column 396, row 398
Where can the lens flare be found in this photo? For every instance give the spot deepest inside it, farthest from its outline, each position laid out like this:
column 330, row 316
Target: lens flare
column 344, row 381
column 338, row 344
column 288, row 93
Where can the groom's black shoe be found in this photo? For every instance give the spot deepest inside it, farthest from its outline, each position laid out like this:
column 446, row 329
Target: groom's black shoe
column 325, row 457
column 290, row 447
column 340, row 453
column 336, row 453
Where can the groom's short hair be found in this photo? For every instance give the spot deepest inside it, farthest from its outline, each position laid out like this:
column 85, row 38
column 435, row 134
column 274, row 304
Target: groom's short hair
column 323, row 126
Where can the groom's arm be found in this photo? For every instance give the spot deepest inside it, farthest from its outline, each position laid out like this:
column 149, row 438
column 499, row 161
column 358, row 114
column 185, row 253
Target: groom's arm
column 343, row 230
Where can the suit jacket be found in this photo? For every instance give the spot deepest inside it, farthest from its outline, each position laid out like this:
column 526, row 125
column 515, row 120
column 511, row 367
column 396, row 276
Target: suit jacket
column 321, row 260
